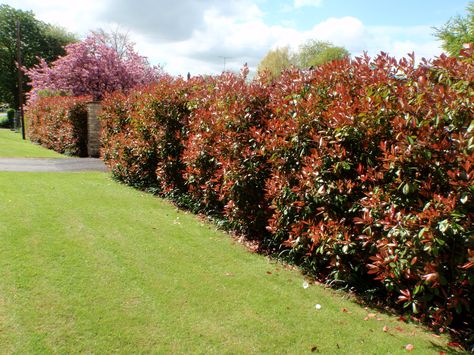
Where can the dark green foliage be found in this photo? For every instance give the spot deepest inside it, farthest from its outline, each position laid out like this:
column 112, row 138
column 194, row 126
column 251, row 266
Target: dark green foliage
column 38, row 40
column 8, row 122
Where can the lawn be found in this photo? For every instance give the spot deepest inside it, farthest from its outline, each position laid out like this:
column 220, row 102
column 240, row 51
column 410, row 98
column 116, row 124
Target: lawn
column 12, row 146
column 91, row 266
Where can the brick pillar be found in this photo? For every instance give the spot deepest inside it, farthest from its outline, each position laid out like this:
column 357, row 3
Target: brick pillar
column 93, row 129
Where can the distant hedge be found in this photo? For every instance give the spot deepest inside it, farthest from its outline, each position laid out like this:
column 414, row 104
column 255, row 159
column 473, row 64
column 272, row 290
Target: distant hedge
column 59, row 123
column 361, row 171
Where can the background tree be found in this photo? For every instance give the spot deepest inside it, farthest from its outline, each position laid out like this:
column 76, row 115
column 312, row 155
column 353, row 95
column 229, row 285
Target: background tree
column 315, row 53
column 117, row 39
column 275, row 61
column 457, row 32
column 91, row 67
column 37, row 39
column 311, row 54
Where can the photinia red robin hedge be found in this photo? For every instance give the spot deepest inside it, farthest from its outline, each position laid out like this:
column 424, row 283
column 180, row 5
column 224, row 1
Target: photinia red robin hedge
column 143, row 135
column 360, row 170
column 372, row 183
column 225, row 169
column 59, row 123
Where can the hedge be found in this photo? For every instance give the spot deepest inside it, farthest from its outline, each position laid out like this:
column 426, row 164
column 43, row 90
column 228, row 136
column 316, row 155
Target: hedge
column 59, row 123
column 361, row 171
column 143, row 135
column 225, row 171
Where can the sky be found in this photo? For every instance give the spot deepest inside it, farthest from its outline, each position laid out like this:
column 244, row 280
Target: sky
column 208, row 36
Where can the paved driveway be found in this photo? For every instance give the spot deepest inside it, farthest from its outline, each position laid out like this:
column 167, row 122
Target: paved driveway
column 52, row 165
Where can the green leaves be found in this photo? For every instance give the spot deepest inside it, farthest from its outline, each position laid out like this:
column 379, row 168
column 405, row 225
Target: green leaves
column 39, row 40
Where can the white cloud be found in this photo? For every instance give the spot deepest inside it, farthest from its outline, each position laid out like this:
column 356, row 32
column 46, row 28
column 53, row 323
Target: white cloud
column 426, row 50
column 247, row 39
column 193, row 36
column 76, row 16
column 301, row 3
column 348, row 32
column 177, row 22
column 399, row 41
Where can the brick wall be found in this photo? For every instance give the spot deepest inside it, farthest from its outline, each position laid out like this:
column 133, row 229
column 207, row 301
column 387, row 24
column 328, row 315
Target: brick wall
column 93, row 129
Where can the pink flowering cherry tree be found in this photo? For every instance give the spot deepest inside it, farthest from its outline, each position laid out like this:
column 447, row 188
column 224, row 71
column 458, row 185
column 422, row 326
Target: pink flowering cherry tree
column 90, row 67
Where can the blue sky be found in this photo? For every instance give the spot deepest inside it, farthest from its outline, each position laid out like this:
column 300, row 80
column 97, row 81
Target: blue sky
column 193, row 35
column 370, row 12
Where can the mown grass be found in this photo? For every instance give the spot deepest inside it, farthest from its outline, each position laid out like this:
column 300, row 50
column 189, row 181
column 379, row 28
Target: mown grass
column 89, row 265
column 12, row 146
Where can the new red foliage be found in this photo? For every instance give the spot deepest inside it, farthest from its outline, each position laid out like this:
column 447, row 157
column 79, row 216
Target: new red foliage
column 59, row 123
column 225, row 168
column 373, row 174
column 361, row 170
column 143, row 135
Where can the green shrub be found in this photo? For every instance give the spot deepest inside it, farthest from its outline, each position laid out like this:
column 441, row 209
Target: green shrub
column 8, row 122
column 4, row 123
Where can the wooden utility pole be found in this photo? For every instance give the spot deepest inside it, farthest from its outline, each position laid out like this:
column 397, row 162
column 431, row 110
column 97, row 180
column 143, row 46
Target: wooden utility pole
column 20, row 78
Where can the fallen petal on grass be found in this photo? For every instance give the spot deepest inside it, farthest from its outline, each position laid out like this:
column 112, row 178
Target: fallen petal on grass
column 409, row 347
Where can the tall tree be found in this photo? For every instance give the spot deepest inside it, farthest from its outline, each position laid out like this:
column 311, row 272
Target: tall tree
column 311, row 54
column 457, row 32
column 275, row 61
column 315, row 53
column 37, row 39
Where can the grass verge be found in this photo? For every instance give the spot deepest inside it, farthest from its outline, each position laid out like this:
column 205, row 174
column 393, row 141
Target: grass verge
column 89, row 265
column 12, row 146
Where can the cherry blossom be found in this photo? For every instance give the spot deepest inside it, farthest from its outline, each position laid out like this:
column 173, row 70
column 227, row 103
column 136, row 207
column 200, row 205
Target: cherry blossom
column 91, row 68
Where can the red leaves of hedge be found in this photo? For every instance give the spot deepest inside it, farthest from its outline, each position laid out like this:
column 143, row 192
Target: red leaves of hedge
column 143, row 134
column 360, row 170
column 225, row 168
column 59, row 123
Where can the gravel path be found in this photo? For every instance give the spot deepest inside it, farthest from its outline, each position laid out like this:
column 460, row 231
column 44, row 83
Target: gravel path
column 51, row 165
